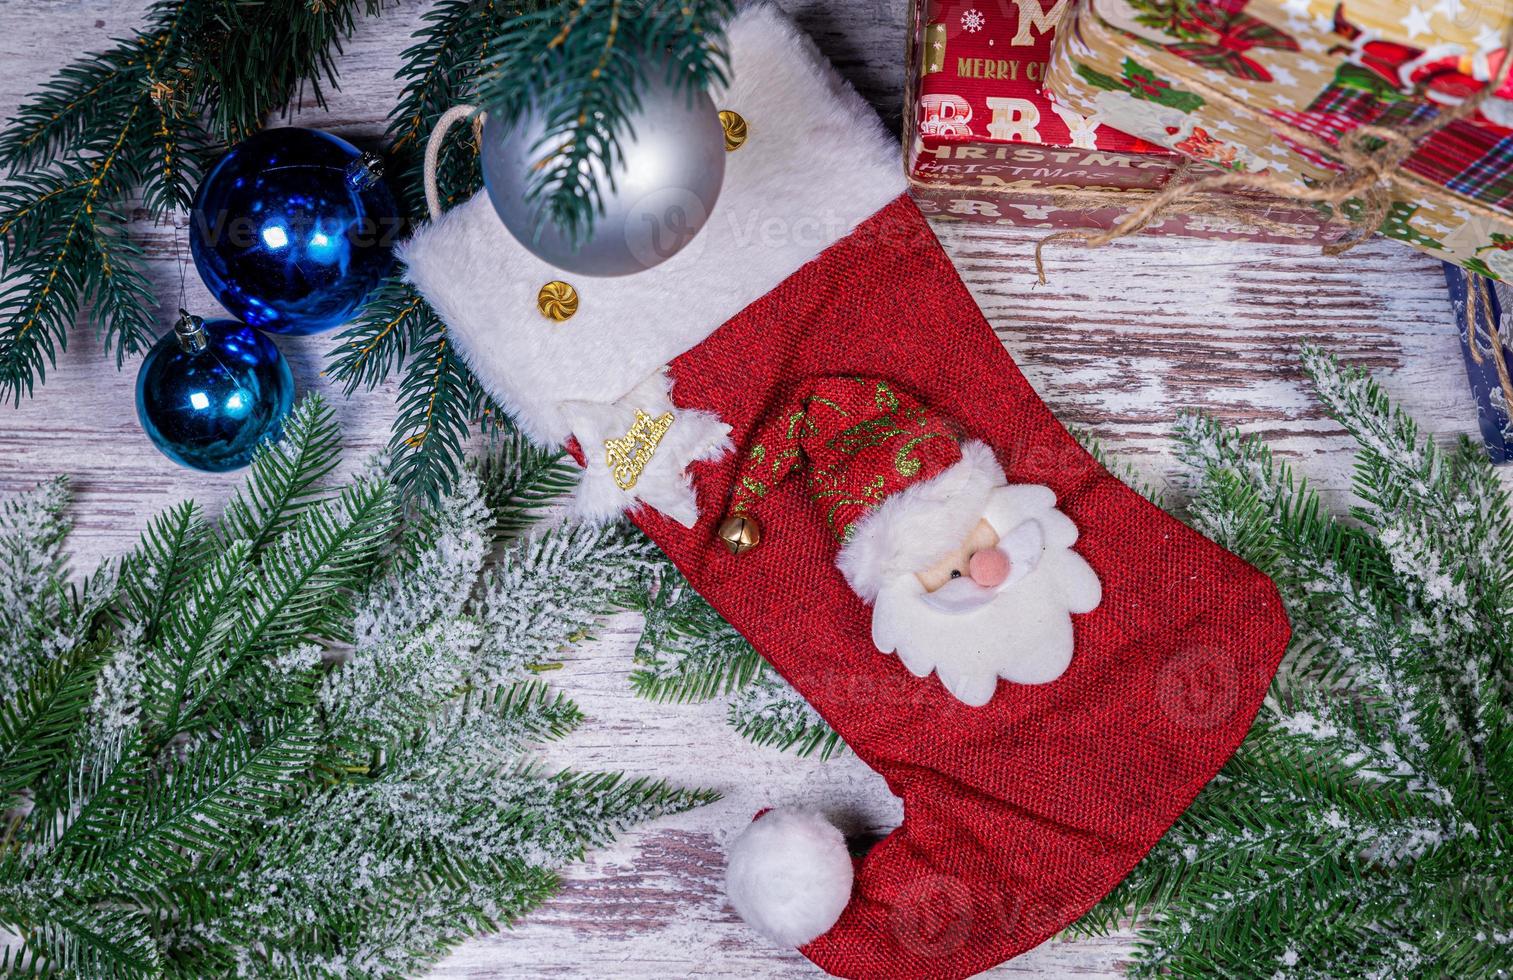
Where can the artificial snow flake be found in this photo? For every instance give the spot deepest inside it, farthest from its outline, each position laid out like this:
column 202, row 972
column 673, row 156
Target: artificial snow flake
column 115, row 710
column 972, row 20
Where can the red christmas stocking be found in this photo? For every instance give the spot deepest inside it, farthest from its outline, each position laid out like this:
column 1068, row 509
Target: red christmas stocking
column 1042, row 665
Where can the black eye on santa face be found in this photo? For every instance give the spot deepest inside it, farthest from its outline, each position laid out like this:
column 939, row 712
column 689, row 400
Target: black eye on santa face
column 956, row 573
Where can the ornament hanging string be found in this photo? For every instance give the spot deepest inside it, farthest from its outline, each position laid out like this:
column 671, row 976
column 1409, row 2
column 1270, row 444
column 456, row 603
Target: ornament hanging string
column 189, row 330
column 1369, row 174
column 178, row 254
column 433, row 150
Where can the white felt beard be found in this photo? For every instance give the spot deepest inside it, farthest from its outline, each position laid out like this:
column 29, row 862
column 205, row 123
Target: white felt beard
column 1024, row 635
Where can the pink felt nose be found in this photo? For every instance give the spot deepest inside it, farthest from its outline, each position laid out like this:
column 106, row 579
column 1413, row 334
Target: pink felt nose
column 988, row 567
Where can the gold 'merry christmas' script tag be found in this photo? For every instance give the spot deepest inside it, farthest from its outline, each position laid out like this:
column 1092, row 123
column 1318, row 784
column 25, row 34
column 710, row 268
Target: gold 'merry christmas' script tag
column 628, row 456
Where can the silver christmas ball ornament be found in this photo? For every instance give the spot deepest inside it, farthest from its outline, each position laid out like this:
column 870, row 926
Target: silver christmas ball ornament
column 655, row 199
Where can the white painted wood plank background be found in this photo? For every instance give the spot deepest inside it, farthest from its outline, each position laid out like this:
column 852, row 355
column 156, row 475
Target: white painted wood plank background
column 1118, row 343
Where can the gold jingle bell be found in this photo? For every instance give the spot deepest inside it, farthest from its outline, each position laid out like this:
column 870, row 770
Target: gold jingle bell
column 741, row 533
column 735, row 129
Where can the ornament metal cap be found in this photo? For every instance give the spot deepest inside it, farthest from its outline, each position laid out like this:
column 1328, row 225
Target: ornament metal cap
column 740, row 532
column 365, row 171
column 190, row 332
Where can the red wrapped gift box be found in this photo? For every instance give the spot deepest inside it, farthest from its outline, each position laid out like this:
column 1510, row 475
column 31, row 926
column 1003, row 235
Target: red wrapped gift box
column 977, row 115
column 983, row 141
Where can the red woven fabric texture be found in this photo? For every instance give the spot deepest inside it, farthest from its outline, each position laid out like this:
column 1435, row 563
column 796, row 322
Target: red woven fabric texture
column 1020, row 815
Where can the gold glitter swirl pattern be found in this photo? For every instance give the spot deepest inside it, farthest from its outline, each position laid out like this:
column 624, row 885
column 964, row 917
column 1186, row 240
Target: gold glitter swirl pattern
column 735, row 129
column 558, row 300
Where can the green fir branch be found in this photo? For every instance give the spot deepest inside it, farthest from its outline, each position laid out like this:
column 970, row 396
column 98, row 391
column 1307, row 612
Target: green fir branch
column 176, row 545
column 393, row 322
column 1360, row 830
column 328, row 551
column 194, row 635
column 550, row 588
column 533, row 708
column 239, row 777
column 286, row 476
column 253, row 58
column 520, row 480
column 38, row 723
column 769, row 711
column 443, row 69
column 617, row 803
column 343, row 717
column 71, row 939
column 397, row 330
column 687, row 652
column 589, row 61
column 65, row 107
column 437, row 398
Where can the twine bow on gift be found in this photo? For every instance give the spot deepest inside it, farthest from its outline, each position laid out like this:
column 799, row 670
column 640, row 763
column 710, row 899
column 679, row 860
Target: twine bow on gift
column 1372, row 157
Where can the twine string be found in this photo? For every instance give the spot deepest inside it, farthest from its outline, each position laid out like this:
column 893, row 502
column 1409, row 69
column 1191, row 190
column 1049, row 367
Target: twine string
column 433, row 150
column 1480, row 319
column 1372, row 157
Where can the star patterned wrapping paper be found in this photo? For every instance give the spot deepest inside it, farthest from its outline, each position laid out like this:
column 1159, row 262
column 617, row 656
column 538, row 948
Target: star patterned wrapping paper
column 1233, row 82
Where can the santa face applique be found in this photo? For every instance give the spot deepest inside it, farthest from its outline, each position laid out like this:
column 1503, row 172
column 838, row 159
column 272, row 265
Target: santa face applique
column 1004, row 609
column 968, row 577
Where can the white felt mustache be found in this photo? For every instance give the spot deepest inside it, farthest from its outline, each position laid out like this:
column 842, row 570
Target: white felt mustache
column 960, row 595
column 1021, row 546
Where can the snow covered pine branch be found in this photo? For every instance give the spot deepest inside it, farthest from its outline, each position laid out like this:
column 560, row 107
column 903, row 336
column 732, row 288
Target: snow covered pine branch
column 297, row 743
column 1362, row 830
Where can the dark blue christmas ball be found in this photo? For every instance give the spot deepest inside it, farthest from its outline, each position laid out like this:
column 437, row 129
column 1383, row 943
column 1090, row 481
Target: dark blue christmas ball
column 292, row 229
column 211, row 391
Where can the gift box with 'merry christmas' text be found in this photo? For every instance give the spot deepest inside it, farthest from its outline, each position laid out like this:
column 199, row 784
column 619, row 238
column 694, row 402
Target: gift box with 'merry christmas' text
column 984, row 142
column 1272, row 88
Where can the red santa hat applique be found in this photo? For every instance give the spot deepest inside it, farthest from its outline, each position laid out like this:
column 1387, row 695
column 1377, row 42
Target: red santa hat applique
column 892, row 479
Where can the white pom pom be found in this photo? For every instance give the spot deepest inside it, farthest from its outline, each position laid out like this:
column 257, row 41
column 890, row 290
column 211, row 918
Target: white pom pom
column 789, row 875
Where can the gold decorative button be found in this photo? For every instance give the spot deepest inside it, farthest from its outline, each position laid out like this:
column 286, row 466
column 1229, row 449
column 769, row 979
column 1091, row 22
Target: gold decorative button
column 558, row 300
column 741, row 533
column 735, row 129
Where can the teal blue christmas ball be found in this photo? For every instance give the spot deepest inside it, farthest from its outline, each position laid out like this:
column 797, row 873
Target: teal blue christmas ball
column 292, row 228
column 211, row 391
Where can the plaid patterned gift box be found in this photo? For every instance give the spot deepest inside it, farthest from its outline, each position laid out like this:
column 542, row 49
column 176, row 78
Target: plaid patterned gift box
column 1482, row 166
column 1271, row 88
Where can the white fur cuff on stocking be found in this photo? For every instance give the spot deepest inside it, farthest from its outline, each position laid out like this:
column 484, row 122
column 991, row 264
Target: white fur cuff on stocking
column 817, row 163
